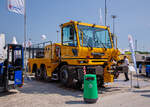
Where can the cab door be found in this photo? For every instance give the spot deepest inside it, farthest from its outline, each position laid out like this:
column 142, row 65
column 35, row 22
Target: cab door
column 69, row 47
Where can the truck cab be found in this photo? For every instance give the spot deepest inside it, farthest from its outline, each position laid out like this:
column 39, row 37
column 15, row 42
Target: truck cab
column 86, row 41
column 87, row 45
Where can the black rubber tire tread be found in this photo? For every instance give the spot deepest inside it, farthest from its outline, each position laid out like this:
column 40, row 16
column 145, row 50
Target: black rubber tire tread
column 69, row 81
column 45, row 77
column 100, row 81
column 41, row 74
column 78, row 85
column 37, row 77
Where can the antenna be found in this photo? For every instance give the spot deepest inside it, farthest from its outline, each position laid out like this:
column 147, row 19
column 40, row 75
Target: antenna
column 101, row 18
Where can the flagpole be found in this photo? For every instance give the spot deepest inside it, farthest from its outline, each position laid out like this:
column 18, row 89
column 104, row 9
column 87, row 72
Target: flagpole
column 25, row 35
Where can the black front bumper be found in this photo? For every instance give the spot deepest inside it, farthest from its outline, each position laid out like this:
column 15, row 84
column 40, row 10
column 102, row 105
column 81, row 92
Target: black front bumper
column 78, row 71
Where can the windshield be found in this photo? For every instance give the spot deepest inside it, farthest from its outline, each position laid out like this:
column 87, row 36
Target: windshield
column 94, row 37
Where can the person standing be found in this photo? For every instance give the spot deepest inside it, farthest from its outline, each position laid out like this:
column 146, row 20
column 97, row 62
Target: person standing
column 126, row 64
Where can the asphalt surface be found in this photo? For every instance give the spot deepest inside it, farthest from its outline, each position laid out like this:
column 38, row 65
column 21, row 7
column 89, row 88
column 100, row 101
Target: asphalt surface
column 53, row 94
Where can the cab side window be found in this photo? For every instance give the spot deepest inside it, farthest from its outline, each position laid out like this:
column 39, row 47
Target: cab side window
column 69, row 36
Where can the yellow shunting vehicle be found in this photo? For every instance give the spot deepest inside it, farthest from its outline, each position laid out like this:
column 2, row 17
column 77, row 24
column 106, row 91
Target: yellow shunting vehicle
column 83, row 47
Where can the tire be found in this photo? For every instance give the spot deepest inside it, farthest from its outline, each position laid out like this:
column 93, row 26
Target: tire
column 45, row 77
column 80, row 86
column 66, row 76
column 38, row 74
column 100, row 81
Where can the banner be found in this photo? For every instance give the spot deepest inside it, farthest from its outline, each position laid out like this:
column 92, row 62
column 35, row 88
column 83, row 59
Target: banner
column 16, row 6
column 132, row 51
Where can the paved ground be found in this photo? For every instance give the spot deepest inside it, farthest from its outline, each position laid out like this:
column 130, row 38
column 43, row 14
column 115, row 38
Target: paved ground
column 53, row 94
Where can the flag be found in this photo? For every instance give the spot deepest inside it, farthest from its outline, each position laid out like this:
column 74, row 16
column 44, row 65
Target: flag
column 16, row 6
column 132, row 51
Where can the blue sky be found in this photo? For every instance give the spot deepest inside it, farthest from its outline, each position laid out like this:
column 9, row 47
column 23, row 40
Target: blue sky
column 45, row 16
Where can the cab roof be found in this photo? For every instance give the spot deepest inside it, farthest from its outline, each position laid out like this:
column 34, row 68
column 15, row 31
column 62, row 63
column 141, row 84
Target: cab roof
column 84, row 24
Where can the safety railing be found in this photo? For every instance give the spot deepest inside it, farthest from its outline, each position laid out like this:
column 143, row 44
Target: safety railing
column 37, row 50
